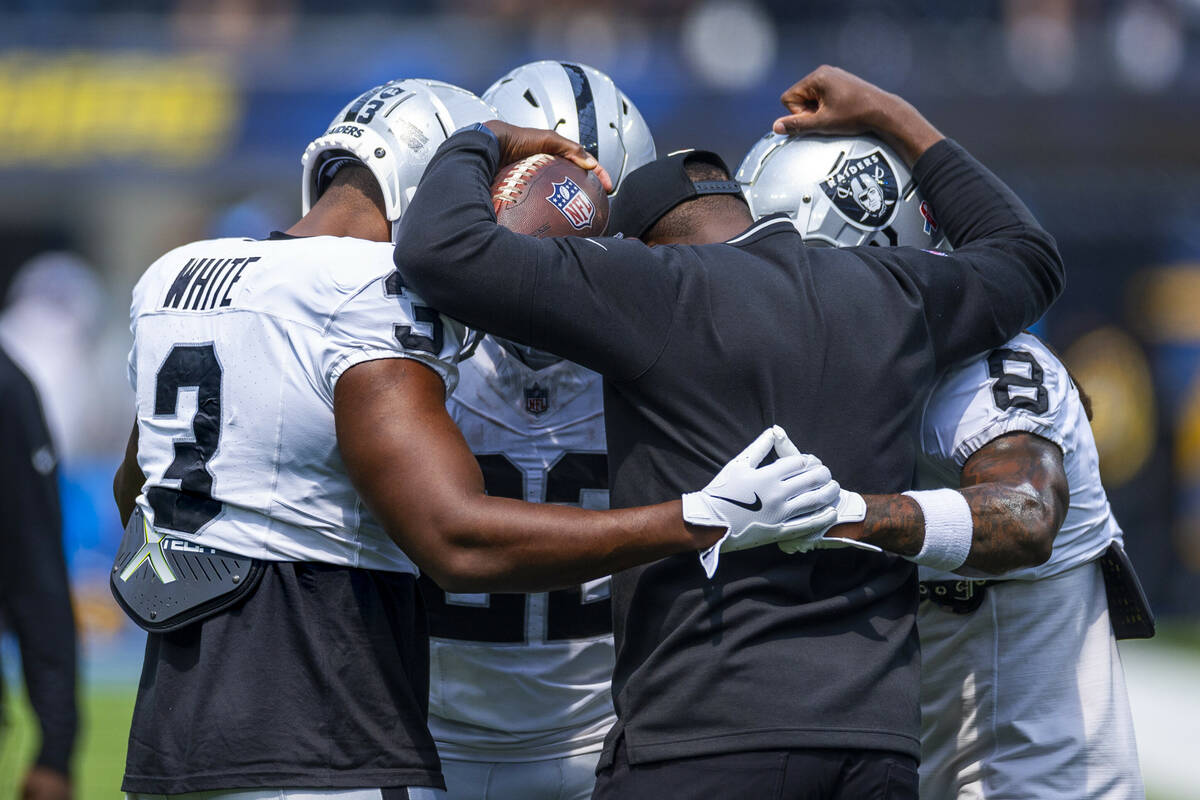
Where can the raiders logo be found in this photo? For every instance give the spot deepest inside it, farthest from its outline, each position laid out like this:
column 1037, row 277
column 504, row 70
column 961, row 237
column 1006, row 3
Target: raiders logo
column 864, row 190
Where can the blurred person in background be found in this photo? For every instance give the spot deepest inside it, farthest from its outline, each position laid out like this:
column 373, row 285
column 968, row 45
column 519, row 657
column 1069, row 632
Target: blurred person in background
column 34, row 595
column 1022, row 688
column 56, row 327
column 520, row 697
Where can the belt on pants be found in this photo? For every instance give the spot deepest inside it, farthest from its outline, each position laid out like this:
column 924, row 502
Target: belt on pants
column 962, row 596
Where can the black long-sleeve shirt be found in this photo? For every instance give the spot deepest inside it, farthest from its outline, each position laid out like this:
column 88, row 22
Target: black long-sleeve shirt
column 702, row 348
column 34, row 595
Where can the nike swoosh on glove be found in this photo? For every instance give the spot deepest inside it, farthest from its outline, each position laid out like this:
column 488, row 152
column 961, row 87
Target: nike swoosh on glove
column 760, row 505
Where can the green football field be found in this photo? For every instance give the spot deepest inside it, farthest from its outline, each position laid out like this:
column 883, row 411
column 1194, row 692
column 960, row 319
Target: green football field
column 104, row 729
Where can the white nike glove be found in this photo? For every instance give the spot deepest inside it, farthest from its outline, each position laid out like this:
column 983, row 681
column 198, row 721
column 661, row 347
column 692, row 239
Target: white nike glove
column 763, row 505
column 851, row 507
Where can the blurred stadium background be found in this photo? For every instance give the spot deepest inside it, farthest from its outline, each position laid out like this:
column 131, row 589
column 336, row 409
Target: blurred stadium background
column 130, row 126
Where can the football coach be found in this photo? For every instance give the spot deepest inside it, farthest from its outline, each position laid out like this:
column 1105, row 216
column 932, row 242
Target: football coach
column 779, row 677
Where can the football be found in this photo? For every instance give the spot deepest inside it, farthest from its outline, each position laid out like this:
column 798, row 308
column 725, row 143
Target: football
column 545, row 195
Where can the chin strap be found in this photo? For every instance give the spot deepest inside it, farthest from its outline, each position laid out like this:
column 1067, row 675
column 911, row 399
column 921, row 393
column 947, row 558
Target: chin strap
column 329, row 169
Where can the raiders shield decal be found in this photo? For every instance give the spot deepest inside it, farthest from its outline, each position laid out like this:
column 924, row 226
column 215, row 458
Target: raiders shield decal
column 864, row 190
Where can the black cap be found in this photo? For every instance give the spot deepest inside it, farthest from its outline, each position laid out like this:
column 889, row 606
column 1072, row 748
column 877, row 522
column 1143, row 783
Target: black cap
column 653, row 189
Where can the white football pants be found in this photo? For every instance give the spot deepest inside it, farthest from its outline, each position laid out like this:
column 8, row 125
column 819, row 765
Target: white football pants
column 570, row 778
column 1025, row 698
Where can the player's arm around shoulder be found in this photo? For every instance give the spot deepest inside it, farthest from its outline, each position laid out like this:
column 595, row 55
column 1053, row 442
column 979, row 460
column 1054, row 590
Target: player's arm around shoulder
column 1011, row 502
column 416, row 474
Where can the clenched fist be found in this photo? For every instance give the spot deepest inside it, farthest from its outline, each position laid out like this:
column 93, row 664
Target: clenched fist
column 833, row 101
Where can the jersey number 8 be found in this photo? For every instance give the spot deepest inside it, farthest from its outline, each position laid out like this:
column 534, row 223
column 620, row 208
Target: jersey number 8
column 1019, row 381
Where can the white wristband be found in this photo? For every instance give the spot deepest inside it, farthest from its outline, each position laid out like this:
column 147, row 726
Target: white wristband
column 948, row 529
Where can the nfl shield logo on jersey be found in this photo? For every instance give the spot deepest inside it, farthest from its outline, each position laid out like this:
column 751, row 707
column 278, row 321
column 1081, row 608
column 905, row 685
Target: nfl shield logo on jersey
column 573, row 202
column 864, row 190
column 537, row 399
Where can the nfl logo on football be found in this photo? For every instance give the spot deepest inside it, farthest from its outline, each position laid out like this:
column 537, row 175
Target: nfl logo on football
column 573, row 202
column 537, row 400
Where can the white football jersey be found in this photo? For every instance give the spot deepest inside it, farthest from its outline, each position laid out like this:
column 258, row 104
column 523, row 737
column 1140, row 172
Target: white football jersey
column 523, row 677
column 1021, row 386
column 237, row 347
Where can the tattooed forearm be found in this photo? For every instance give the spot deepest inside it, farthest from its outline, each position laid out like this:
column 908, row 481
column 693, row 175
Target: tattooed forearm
column 1017, row 491
column 894, row 522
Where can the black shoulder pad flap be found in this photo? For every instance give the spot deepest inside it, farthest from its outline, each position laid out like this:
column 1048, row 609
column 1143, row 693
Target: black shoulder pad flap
column 164, row 582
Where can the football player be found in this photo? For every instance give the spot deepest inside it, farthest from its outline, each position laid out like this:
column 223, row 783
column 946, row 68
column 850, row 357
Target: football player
column 520, row 696
column 1022, row 692
column 290, row 432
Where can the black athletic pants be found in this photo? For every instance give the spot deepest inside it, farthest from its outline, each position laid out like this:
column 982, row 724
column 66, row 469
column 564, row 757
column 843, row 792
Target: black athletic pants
column 763, row 775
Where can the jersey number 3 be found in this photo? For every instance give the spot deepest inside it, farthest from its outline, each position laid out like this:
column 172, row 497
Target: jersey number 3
column 411, row 340
column 191, row 507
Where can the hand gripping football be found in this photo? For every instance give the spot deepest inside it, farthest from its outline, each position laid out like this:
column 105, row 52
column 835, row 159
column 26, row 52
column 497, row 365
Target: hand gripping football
column 546, row 195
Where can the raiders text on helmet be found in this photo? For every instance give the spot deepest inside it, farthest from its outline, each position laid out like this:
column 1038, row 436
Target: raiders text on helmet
column 839, row 190
column 393, row 130
column 582, row 104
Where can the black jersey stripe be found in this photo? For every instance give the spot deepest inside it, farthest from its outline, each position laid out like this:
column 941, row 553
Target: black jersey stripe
column 585, row 108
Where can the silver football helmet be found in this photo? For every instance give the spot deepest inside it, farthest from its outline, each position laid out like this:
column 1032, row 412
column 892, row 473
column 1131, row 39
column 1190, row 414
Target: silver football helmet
column 840, row 191
column 393, row 130
column 582, row 104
